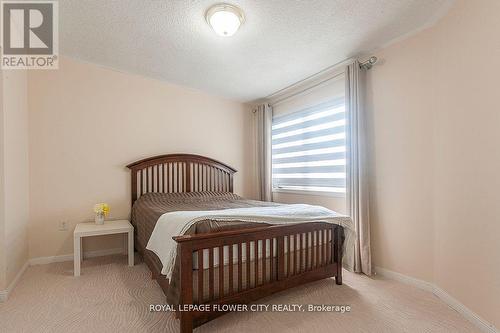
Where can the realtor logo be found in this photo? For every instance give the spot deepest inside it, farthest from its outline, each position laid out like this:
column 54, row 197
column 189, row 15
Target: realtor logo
column 29, row 32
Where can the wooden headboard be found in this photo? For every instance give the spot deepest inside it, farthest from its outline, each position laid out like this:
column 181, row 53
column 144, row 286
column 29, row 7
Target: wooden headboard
column 175, row 173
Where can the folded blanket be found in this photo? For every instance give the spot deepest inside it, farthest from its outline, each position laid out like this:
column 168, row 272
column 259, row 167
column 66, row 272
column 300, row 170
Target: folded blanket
column 177, row 223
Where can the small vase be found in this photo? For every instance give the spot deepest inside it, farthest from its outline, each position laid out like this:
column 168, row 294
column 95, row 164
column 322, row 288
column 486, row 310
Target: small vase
column 99, row 218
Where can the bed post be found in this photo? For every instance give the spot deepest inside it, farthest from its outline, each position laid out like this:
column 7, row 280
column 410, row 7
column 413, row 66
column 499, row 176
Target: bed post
column 338, row 242
column 281, row 257
column 186, row 266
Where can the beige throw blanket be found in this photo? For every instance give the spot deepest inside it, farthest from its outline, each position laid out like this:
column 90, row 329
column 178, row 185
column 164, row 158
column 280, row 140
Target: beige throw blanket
column 177, row 223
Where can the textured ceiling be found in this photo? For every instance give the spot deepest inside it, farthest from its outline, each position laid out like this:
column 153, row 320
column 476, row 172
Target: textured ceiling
column 281, row 42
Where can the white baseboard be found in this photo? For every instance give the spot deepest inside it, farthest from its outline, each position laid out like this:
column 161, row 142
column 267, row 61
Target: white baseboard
column 421, row 284
column 4, row 294
column 482, row 324
column 69, row 257
column 464, row 311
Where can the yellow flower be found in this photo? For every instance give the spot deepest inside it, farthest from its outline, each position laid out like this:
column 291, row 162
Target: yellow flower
column 101, row 208
column 105, row 209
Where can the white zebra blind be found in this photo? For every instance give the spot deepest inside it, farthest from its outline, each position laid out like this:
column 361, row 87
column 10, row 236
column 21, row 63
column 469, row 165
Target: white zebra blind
column 309, row 148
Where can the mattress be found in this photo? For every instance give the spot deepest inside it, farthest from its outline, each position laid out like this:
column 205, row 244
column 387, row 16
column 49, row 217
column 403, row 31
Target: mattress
column 149, row 207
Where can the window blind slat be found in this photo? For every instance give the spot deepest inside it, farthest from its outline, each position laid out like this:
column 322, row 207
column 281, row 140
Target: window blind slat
column 328, row 182
column 309, row 135
column 336, row 146
column 314, row 169
column 310, row 158
column 317, row 188
column 314, row 122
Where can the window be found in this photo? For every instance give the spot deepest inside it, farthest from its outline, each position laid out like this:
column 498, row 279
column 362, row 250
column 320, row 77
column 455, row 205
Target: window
column 309, row 148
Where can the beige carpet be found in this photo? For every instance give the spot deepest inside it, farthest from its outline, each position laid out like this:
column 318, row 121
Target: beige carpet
column 111, row 297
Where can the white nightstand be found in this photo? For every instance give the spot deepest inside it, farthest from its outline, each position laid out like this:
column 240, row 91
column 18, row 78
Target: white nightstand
column 108, row 228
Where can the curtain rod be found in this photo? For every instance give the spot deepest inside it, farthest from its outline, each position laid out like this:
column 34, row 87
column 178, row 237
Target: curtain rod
column 369, row 63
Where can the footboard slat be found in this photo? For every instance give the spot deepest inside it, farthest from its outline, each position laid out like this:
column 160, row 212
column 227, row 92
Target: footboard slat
column 320, row 248
column 264, row 261
column 240, row 265
column 272, row 275
column 200, row 276
column 247, row 254
column 301, row 252
column 221, row 271
column 297, row 254
column 316, row 247
column 231, row 276
column 328, row 246
column 256, row 262
column 308, row 261
column 325, row 237
column 289, row 256
column 211, row 274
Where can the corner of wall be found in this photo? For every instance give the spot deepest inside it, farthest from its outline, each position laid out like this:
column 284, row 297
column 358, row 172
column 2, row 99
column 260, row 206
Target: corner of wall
column 14, row 177
column 2, row 211
column 435, row 169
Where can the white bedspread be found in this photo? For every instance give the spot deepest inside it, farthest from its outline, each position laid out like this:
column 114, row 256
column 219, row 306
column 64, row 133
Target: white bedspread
column 177, row 223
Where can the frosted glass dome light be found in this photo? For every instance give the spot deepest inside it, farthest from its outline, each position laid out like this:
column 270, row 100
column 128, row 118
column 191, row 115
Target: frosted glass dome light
column 225, row 19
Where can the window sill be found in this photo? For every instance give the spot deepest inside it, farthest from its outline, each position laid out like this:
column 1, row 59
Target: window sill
column 306, row 192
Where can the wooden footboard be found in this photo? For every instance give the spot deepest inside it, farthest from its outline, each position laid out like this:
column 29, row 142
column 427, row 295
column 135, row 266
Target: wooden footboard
column 246, row 265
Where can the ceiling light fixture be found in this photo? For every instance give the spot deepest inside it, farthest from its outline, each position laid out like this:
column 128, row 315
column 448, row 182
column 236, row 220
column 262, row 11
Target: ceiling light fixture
column 225, row 19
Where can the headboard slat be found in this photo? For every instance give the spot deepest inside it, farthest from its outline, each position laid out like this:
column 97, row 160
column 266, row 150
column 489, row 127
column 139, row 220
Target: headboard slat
column 179, row 173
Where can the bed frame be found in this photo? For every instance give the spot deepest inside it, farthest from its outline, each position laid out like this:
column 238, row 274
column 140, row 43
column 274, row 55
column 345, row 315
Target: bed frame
column 298, row 253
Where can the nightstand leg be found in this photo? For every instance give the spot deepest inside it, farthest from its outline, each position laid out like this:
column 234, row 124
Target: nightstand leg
column 77, row 255
column 124, row 245
column 131, row 248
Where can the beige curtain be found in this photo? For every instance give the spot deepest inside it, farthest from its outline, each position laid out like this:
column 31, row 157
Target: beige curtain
column 357, row 181
column 264, row 118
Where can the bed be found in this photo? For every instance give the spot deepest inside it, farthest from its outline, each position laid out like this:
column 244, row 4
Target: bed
column 223, row 262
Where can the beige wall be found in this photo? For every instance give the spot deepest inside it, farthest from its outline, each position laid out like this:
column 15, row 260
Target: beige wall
column 467, row 157
column 15, row 174
column 399, row 104
column 435, row 133
column 16, row 168
column 88, row 122
column 2, row 198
